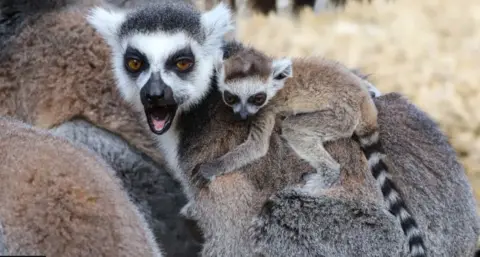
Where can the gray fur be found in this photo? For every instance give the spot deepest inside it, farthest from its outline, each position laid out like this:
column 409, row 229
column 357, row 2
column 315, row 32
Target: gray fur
column 310, row 148
column 164, row 16
column 150, row 186
column 130, row 4
column 433, row 183
column 424, row 167
column 3, row 249
column 16, row 14
column 252, row 149
column 374, row 92
column 227, row 207
column 61, row 200
column 293, row 223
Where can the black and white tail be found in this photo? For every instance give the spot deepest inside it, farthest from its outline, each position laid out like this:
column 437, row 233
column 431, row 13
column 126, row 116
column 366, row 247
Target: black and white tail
column 374, row 152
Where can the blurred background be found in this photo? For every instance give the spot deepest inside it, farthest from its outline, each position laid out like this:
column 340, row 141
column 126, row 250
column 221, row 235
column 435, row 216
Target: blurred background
column 428, row 50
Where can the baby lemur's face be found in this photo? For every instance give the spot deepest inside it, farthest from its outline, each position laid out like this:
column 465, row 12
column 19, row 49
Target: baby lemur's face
column 247, row 95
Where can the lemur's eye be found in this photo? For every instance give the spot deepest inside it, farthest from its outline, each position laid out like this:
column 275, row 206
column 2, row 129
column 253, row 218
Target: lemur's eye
column 230, row 99
column 134, row 65
column 183, row 64
column 280, row 76
column 258, row 99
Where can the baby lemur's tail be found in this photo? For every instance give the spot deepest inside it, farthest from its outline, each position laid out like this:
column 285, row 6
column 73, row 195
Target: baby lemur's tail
column 375, row 154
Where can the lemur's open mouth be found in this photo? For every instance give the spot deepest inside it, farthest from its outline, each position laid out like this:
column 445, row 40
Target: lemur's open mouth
column 160, row 117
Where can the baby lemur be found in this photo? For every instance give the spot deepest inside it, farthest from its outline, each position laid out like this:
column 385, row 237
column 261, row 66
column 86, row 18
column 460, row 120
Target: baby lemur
column 324, row 101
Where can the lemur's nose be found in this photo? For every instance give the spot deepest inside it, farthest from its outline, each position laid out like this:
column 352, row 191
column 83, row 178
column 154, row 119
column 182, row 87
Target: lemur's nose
column 154, row 91
column 154, row 94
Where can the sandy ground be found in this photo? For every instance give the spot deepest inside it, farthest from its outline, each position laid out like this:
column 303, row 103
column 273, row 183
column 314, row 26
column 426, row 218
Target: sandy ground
column 428, row 50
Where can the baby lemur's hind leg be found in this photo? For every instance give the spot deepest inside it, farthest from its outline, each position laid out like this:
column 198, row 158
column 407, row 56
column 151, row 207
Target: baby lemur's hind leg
column 255, row 147
column 310, row 148
column 307, row 132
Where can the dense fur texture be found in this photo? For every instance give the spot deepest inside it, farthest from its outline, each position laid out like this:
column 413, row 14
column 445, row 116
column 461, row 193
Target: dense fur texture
column 226, row 207
column 425, row 166
column 150, row 187
column 60, row 200
column 295, row 223
column 67, row 75
column 331, row 101
column 428, row 174
column 321, row 101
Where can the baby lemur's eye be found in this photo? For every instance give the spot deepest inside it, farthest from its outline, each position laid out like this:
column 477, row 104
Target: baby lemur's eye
column 258, row 99
column 133, row 64
column 280, row 76
column 229, row 98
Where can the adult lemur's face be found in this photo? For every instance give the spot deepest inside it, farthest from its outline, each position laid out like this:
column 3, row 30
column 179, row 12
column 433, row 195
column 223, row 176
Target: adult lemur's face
column 163, row 56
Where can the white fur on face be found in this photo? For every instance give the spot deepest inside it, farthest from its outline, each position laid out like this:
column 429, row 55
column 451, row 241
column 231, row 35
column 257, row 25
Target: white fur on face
column 247, row 87
column 106, row 22
column 158, row 48
column 188, row 90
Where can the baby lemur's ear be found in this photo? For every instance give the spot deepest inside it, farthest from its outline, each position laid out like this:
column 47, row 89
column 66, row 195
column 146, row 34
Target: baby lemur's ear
column 282, row 69
column 218, row 63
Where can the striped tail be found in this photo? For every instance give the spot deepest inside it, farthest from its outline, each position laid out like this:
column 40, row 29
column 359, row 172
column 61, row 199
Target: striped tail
column 374, row 152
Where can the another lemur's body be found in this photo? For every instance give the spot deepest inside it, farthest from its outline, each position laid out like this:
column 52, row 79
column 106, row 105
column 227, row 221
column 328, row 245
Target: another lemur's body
column 168, row 73
column 153, row 190
column 67, row 76
column 61, row 200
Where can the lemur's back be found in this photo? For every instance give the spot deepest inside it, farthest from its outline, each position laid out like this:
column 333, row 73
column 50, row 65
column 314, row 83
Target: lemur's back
column 61, row 200
column 316, row 82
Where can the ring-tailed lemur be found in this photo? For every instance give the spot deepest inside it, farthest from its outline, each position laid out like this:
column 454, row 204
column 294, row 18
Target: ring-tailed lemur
column 61, row 200
column 323, row 101
column 78, row 83
column 202, row 128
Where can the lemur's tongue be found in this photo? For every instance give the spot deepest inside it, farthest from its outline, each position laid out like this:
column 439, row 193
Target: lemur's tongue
column 158, row 124
column 159, row 118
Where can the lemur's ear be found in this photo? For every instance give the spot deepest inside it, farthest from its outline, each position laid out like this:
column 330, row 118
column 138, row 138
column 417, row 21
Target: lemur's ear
column 217, row 23
column 282, row 69
column 106, row 22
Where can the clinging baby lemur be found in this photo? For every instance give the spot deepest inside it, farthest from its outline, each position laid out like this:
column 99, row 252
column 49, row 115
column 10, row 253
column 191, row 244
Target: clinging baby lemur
column 324, row 101
column 251, row 83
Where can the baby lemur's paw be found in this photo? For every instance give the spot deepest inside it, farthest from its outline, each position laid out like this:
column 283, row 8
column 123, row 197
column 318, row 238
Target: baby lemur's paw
column 188, row 210
column 198, row 179
column 208, row 170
